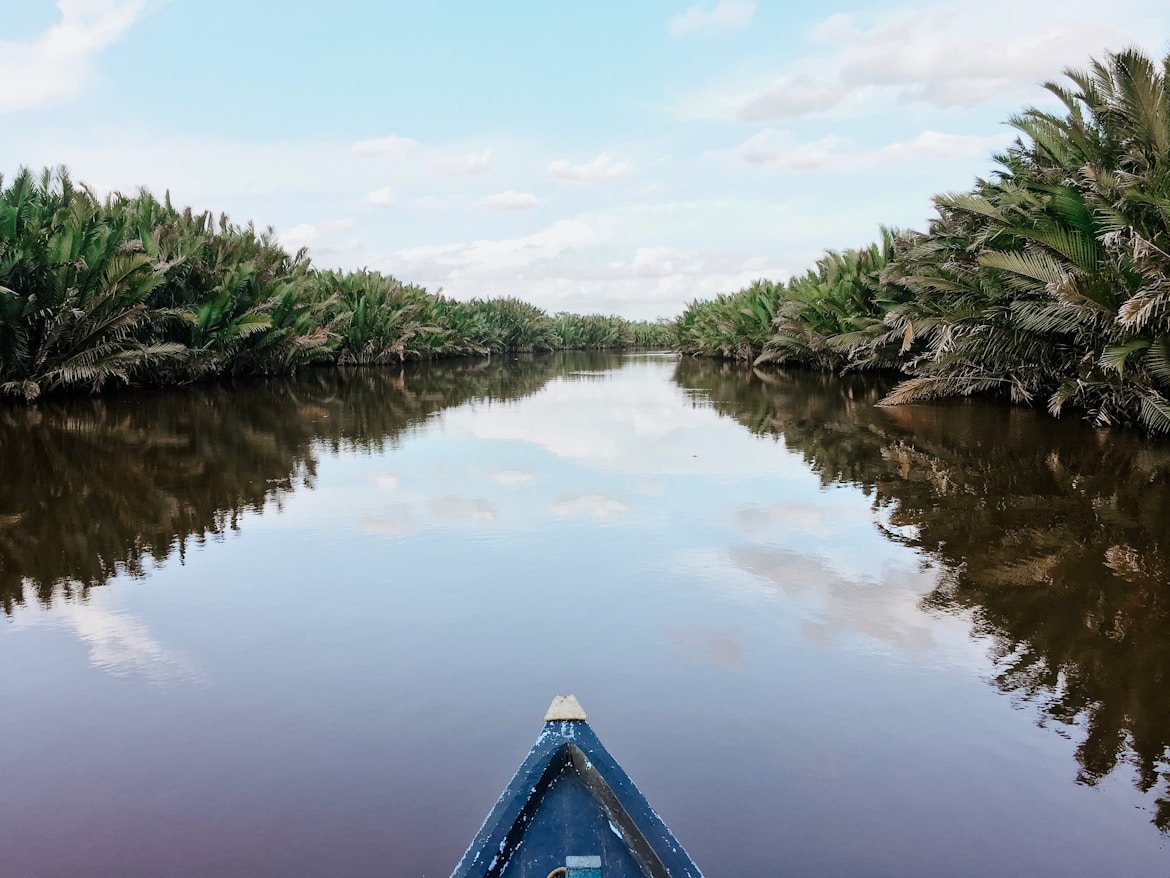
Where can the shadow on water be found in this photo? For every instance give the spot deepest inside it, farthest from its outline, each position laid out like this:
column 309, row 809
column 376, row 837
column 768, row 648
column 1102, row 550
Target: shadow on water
column 1052, row 538
column 101, row 487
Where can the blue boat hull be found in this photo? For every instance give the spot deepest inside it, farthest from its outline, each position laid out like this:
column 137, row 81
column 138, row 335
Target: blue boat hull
column 572, row 811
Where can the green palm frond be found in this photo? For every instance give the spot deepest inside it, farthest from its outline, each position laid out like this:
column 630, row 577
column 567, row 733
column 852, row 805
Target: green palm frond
column 970, row 203
column 929, row 387
column 1080, row 249
column 1158, row 360
column 1027, row 270
column 1115, row 357
column 1155, row 412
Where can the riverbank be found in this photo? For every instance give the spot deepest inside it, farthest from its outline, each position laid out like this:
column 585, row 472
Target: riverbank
column 1046, row 284
column 132, row 290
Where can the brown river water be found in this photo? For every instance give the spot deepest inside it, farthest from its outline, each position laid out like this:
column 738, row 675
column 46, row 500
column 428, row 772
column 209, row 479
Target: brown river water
column 310, row 626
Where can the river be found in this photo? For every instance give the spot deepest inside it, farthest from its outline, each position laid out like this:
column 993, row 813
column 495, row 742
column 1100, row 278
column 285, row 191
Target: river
column 311, row 626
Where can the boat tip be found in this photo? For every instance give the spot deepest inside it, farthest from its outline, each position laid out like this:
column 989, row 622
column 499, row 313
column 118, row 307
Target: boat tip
column 565, row 707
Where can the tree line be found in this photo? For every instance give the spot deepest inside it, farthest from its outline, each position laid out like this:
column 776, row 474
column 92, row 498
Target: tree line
column 133, row 290
column 1046, row 283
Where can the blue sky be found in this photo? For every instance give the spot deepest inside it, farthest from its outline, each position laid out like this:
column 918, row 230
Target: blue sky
column 607, row 157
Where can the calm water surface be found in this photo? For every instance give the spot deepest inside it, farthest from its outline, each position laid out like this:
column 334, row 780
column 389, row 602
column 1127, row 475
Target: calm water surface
column 310, row 627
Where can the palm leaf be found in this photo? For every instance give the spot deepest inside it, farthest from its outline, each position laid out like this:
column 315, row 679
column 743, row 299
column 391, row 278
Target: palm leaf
column 1155, row 412
column 1035, row 266
column 1158, row 359
column 1114, row 357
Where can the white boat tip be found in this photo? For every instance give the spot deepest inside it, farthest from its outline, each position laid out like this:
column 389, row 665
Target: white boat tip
column 565, row 707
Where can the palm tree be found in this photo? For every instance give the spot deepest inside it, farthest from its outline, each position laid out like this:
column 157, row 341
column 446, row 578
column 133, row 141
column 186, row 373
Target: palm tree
column 735, row 326
column 73, row 304
column 832, row 316
column 1051, row 280
column 380, row 319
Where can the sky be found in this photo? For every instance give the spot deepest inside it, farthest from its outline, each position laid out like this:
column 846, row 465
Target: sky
column 592, row 157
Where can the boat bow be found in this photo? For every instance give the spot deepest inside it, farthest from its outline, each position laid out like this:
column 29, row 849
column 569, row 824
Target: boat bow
column 571, row 811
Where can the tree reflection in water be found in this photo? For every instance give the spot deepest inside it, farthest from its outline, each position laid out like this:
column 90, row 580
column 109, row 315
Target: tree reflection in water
column 98, row 487
column 1052, row 536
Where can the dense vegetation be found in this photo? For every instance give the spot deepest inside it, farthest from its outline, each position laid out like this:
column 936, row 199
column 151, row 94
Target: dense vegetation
column 134, row 290
column 1048, row 282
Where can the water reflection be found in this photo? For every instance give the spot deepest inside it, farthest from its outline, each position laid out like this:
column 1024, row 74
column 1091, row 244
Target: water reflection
column 119, row 642
column 345, row 686
column 1050, row 536
column 94, row 488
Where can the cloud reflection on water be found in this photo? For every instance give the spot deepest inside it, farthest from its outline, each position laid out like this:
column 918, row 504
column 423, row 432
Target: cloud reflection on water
column 473, row 510
column 626, row 424
column 885, row 608
column 756, row 520
column 834, row 601
column 512, row 477
column 396, row 521
column 603, row 507
column 720, row 647
column 119, row 642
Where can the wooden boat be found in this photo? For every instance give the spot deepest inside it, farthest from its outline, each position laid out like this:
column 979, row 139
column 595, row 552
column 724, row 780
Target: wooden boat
column 572, row 812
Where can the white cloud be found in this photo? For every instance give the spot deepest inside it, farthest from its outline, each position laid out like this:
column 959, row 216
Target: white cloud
column 837, row 28
column 581, row 264
column 600, row 168
column 203, row 171
column 511, row 200
column 390, row 147
column 320, row 237
column 776, row 149
column 942, row 55
column 798, row 96
column 439, row 202
column 467, row 165
column 932, row 144
column 938, row 56
column 723, row 16
column 383, row 197
column 57, row 65
column 500, row 257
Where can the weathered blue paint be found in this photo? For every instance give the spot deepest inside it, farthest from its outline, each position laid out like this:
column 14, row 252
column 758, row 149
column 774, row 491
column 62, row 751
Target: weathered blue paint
column 570, row 799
